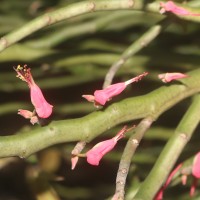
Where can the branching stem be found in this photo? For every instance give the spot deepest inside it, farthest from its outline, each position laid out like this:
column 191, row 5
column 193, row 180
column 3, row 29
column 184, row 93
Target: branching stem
column 171, row 152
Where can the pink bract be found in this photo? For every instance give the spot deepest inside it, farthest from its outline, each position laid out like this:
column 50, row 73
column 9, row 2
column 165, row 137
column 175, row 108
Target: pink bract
column 102, row 96
column 168, row 77
column 95, row 154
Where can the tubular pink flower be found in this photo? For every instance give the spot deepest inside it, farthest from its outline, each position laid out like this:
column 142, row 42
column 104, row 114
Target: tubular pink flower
column 95, row 154
column 170, row 6
column 42, row 107
column 100, row 97
column 168, row 77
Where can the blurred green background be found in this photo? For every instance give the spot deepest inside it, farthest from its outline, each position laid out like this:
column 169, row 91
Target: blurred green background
column 69, row 59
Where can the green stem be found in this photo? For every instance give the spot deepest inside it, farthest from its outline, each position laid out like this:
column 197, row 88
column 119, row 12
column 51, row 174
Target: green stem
column 139, row 44
column 104, row 21
column 62, row 14
column 92, row 125
column 127, row 155
column 159, row 58
column 80, row 8
column 171, row 152
column 21, row 52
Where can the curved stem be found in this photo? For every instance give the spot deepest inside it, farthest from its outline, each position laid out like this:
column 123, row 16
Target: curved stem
column 70, row 31
column 79, row 9
column 61, row 14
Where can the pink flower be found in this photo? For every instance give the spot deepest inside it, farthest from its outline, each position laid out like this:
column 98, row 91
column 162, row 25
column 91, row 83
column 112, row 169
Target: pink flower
column 95, row 154
column 42, row 107
column 170, row 6
column 102, row 96
column 168, row 77
column 195, row 173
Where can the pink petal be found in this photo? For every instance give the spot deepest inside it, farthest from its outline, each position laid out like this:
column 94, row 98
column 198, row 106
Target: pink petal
column 34, row 120
column 196, row 166
column 25, row 113
column 90, row 98
column 168, row 77
column 74, row 161
column 28, row 115
column 42, row 107
column 95, row 154
column 102, row 96
column 170, row 6
column 159, row 195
